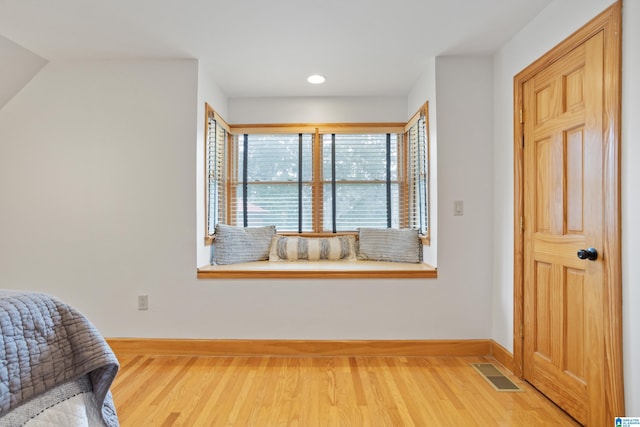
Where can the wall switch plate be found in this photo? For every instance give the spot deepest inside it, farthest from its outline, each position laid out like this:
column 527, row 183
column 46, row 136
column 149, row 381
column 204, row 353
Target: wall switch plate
column 143, row 302
column 458, row 208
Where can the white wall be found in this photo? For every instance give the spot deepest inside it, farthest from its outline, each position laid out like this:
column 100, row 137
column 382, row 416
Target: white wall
column 18, row 66
column 465, row 170
column 97, row 183
column 461, row 133
column 555, row 23
column 317, row 110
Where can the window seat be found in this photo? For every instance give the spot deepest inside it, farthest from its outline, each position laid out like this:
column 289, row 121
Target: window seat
column 318, row 270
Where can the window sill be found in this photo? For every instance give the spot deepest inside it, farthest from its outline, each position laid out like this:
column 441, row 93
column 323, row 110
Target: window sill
column 318, row 270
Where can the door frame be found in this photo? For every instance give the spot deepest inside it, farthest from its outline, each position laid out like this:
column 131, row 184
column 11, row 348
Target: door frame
column 608, row 21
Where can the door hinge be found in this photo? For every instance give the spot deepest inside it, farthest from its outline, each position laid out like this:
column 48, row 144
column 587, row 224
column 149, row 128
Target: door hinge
column 521, row 116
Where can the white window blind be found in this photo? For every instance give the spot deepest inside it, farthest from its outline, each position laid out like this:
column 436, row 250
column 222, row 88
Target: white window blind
column 417, row 176
column 216, row 152
column 272, row 181
column 360, row 180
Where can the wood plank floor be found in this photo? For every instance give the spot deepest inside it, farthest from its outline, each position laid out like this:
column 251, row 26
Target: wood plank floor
column 321, row 391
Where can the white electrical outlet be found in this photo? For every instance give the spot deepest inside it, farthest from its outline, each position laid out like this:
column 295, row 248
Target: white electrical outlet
column 143, row 302
column 458, row 208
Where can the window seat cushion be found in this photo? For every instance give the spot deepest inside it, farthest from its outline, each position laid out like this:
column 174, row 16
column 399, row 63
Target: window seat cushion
column 356, row 269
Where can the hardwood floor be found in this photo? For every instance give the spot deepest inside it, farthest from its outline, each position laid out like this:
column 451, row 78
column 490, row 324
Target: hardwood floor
column 321, row 391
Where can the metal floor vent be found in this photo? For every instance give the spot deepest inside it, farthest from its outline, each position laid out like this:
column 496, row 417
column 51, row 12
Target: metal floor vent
column 496, row 378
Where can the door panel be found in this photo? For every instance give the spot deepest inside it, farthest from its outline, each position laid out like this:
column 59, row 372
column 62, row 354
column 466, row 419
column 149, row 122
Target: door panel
column 542, row 300
column 574, row 350
column 575, row 180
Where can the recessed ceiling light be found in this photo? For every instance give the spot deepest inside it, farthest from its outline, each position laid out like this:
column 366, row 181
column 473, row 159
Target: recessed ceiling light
column 316, row 79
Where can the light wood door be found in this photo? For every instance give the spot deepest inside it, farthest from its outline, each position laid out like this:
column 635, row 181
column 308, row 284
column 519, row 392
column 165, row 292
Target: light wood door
column 563, row 214
column 568, row 311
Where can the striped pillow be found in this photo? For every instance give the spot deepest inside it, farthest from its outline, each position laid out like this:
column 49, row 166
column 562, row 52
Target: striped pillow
column 389, row 244
column 294, row 248
column 233, row 245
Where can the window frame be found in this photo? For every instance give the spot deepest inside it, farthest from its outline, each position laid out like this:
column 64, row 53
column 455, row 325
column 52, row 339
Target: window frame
column 317, row 131
column 238, row 184
column 423, row 113
column 211, row 114
column 331, row 182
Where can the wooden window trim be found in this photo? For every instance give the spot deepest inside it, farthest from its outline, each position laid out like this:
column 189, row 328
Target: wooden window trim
column 319, row 270
column 317, row 131
column 321, row 128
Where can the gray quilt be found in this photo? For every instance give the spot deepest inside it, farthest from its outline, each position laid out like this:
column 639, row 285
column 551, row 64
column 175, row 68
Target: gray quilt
column 45, row 343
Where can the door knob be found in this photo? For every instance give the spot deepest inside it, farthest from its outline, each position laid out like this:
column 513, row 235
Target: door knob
column 591, row 254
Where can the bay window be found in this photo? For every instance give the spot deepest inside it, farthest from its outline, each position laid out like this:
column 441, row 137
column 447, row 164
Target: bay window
column 317, row 179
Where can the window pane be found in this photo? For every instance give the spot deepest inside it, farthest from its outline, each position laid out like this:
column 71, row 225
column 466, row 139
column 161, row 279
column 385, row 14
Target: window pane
column 360, row 157
column 360, row 181
column 274, row 166
column 360, row 205
column 275, row 157
column 274, row 204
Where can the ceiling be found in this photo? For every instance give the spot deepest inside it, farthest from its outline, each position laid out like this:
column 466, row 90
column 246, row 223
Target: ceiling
column 255, row 48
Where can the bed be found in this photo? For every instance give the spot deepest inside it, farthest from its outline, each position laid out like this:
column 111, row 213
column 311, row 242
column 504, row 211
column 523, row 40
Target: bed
column 55, row 367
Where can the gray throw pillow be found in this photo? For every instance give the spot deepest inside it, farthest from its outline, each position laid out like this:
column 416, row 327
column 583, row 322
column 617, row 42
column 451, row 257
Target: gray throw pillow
column 389, row 244
column 233, row 245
